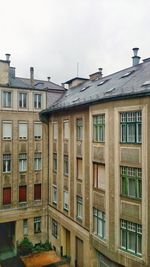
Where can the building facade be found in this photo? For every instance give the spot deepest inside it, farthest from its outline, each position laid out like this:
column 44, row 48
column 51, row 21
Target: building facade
column 98, row 201
column 23, row 149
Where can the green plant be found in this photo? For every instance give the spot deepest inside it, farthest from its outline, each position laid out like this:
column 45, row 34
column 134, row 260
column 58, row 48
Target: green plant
column 24, row 247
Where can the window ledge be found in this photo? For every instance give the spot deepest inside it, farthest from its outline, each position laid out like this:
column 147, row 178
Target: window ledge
column 131, row 255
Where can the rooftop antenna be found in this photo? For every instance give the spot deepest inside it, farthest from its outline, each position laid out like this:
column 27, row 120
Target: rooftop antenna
column 77, row 69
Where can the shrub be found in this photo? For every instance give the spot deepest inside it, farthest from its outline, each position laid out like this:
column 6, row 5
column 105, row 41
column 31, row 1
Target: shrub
column 25, row 247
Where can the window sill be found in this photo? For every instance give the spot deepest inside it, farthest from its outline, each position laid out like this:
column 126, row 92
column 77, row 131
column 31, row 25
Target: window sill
column 129, row 253
column 137, row 200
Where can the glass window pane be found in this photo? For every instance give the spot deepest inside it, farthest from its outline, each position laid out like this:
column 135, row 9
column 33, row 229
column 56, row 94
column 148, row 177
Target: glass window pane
column 131, row 133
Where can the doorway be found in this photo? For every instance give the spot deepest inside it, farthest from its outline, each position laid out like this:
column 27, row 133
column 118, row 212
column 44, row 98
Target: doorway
column 79, row 253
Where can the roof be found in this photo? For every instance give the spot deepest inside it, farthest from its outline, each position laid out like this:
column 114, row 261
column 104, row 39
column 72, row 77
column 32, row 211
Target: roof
column 38, row 84
column 126, row 83
column 76, row 78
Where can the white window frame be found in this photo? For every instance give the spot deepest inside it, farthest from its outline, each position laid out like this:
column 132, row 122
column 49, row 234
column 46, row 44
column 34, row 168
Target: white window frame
column 6, row 102
column 37, row 130
column 22, row 100
column 23, row 136
column 66, row 200
column 37, row 161
column 37, row 101
column 23, row 162
column 7, row 133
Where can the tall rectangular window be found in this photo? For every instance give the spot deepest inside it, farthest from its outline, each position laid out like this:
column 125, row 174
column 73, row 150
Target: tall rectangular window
column 54, row 228
column 79, row 168
column 99, row 128
column 37, row 225
column 7, row 99
column 98, row 176
column 66, row 129
column 7, row 163
column 23, row 162
column 37, row 101
column 131, row 182
column 37, row 162
column 55, row 130
column 55, row 162
column 37, row 130
column 22, row 100
column 79, row 129
column 131, row 237
column 7, row 130
column 25, row 227
column 7, row 196
column 23, row 193
column 131, row 127
column 79, row 208
column 37, row 192
column 99, row 223
column 66, row 166
column 66, row 200
column 22, row 130
column 54, row 195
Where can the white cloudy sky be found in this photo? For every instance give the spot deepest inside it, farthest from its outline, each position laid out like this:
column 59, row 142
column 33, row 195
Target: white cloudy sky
column 53, row 35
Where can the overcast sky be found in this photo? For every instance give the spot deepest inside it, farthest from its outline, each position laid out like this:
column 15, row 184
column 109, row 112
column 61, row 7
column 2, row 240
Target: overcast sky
column 54, row 35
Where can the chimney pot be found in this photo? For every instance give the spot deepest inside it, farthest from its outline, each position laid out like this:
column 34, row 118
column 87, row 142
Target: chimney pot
column 48, row 78
column 7, row 57
column 135, row 58
column 32, row 76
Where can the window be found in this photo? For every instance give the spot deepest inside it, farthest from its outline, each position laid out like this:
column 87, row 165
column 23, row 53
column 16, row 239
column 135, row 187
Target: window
column 98, row 176
column 6, row 196
column 131, row 127
column 55, row 162
column 23, row 193
column 79, row 208
column 37, row 100
column 55, row 130
column 37, row 225
column 131, row 237
column 22, row 162
column 37, row 162
column 79, row 129
column 66, row 167
column 37, row 192
column 22, row 130
column 7, row 130
column 99, row 128
column 25, row 227
column 79, row 169
column 66, row 200
column 6, row 163
column 131, row 182
column 22, row 100
column 37, row 130
column 54, row 228
column 7, row 99
column 66, row 129
column 54, row 195
column 99, row 223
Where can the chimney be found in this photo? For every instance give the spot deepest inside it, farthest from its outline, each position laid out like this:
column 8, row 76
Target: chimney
column 135, row 58
column 48, row 78
column 97, row 75
column 7, row 57
column 32, row 76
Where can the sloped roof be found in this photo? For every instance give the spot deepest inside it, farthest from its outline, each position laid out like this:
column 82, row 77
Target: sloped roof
column 38, row 84
column 128, row 82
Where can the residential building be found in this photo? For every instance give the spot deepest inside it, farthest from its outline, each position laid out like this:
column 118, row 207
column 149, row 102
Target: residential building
column 23, row 156
column 98, row 207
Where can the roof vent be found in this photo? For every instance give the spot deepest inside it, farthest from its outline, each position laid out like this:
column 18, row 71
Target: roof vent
column 7, row 57
column 110, row 90
column 84, row 88
column 146, row 83
column 135, row 58
column 127, row 74
column 102, row 82
column 48, row 78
